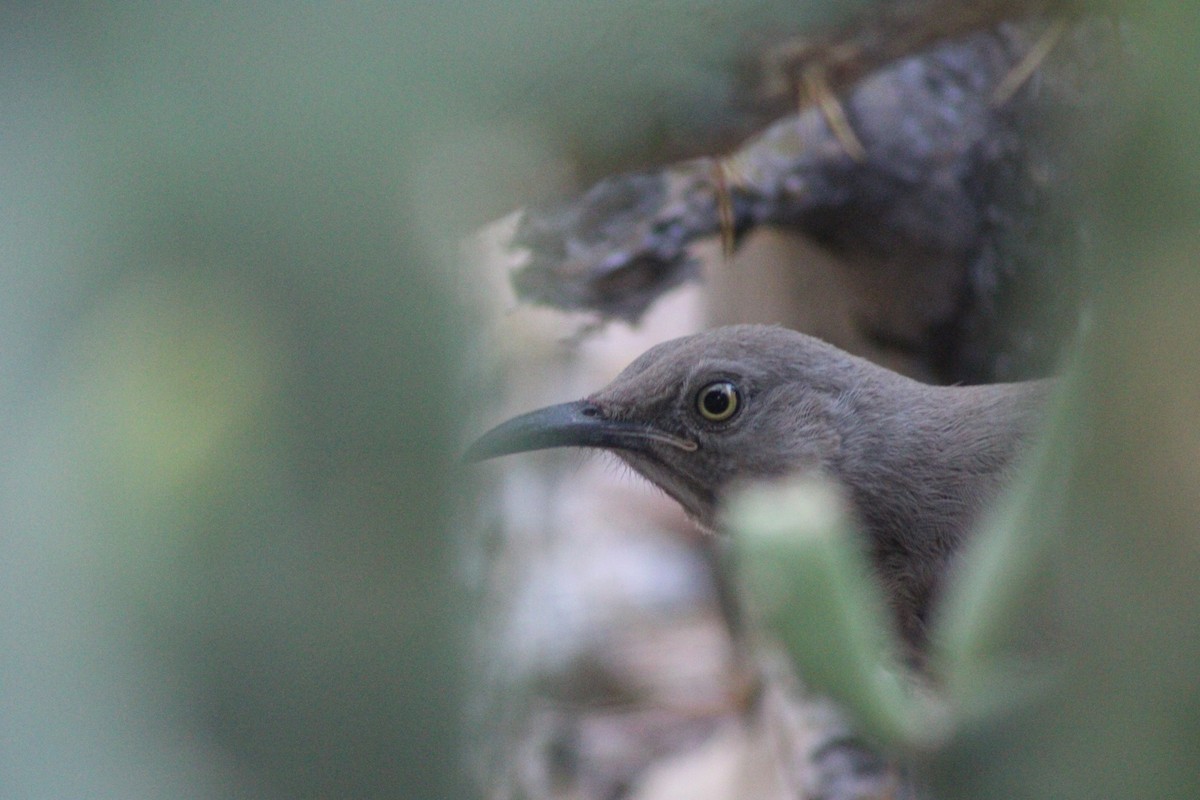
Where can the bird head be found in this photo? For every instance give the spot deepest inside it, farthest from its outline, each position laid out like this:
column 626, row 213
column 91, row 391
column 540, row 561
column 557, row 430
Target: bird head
column 697, row 414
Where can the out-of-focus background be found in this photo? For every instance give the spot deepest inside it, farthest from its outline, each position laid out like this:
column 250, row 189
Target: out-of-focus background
column 230, row 373
column 256, row 297
column 235, row 542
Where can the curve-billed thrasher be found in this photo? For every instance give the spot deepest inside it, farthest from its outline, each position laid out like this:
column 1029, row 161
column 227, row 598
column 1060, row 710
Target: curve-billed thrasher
column 698, row 414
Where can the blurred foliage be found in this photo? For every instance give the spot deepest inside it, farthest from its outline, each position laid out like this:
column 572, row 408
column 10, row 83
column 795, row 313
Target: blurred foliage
column 230, row 372
column 1120, row 606
column 809, row 582
column 1068, row 647
column 230, row 350
column 233, row 331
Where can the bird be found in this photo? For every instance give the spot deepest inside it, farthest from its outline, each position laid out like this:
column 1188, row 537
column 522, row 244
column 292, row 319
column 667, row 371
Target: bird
column 700, row 415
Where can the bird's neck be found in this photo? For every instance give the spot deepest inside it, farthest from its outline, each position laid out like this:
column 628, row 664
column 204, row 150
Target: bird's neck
column 923, row 468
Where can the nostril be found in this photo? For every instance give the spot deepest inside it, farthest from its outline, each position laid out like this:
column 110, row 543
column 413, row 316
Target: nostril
column 590, row 411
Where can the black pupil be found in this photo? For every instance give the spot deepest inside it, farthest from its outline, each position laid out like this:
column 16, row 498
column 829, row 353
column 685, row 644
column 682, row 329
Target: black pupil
column 716, row 401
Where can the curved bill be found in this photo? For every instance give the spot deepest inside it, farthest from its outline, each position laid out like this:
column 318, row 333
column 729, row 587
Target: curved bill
column 577, row 424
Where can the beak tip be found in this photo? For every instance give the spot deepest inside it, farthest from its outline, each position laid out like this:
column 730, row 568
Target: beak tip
column 565, row 425
column 475, row 453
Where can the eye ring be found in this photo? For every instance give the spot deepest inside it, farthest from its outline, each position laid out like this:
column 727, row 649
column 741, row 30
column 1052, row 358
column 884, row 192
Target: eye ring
column 718, row 401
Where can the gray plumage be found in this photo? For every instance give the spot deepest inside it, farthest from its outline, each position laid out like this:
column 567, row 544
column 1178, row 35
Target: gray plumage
column 918, row 462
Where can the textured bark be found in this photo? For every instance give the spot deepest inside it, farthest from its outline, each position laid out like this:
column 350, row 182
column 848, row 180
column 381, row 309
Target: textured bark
column 959, row 207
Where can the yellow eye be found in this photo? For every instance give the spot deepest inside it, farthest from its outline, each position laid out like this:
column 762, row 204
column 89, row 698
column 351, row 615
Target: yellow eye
column 718, row 401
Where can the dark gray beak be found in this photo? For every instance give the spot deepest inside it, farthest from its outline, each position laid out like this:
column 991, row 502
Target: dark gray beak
column 578, row 424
